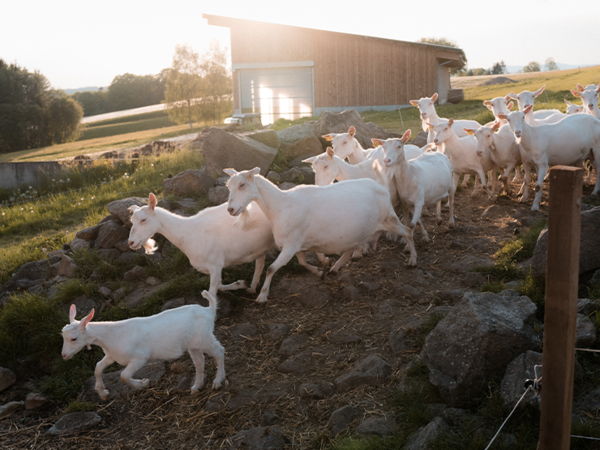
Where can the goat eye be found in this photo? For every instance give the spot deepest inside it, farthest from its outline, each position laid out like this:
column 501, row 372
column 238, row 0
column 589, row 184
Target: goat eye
column 73, row 339
column 142, row 221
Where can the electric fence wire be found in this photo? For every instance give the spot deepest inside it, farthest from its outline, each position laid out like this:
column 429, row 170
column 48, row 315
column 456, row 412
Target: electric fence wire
column 530, row 388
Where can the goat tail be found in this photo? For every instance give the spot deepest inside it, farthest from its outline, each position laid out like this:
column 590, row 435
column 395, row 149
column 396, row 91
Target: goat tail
column 213, row 302
column 150, row 246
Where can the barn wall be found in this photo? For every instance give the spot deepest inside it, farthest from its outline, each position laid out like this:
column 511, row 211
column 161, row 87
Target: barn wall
column 349, row 70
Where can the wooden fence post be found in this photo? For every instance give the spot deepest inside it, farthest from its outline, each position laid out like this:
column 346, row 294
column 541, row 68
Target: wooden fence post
column 562, row 280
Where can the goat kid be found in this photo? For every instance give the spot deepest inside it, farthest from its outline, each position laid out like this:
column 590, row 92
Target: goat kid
column 211, row 239
column 136, row 341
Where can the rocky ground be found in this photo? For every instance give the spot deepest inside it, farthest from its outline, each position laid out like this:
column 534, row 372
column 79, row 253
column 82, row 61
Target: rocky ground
column 321, row 358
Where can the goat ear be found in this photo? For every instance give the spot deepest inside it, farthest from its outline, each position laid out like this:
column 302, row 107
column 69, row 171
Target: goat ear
column 351, row 131
column 496, row 126
column 434, row 97
column 598, row 89
column 539, row 91
column 377, row 141
column 501, row 116
column 529, row 108
column 72, row 313
column 328, row 137
column 487, row 103
column 230, row 172
column 511, row 95
column 252, row 173
column 406, row 136
column 469, row 131
column 510, row 106
column 86, row 319
column 450, row 122
column 329, row 151
column 310, row 160
column 575, row 93
column 414, row 102
column 568, row 102
column 431, row 127
column 151, row 201
column 133, row 208
column 580, row 87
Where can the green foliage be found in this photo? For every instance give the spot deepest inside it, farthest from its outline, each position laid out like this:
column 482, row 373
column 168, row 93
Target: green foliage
column 498, row 68
column 533, row 66
column 73, row 288
column 448, row 43
column 133, row 91
column 428, row 326
column 198, row 88
column 521, row 247
column 31, row 114
column 129, row 124
column 551, row 64
column 92, row 102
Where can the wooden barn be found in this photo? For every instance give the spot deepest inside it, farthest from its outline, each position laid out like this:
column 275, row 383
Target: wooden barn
column 285, row 71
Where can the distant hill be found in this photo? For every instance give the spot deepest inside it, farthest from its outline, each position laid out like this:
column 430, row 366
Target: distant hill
column 561, row 66
column 89, row 88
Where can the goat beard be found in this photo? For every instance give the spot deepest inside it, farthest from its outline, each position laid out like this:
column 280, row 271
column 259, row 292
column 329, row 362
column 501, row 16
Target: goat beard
column 150, row 247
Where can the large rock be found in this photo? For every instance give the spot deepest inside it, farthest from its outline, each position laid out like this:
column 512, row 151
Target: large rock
column 341, row 418
column 589, row 248
column 67, row 267
column 424, row 437
column 110, row 234
column 223, row 150
column 218, row 195
column 520, row 369
column 476, row 340
column 332, row 122
column 33, row 270
column 258, row 438
column 74, row 423
column 420, row 140
column 299, row 140
column 371, row 370
column 375, row 426
column 7, row 378
column 119, row 210
column 188, row 182
column 585, row 332
column 8, row 408
column 267, row 137
column 137, row 297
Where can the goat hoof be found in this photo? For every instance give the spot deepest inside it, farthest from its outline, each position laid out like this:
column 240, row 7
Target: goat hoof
column 216, row 385
column 145, row 383
column 412, row 262
column 262, row 298
column 103, row 395
column 251, row 291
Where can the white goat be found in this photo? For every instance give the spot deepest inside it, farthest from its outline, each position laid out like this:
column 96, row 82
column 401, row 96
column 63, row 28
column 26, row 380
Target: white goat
column 568, row 142
column 500, row 141
column 463, row 155
column 590, row 100
column 429, row 115
column 133, row 342
column 527, row 98
column 573, row 109
column 336, row 218
column 425, row 180
column 211, row 239
column 498, row 106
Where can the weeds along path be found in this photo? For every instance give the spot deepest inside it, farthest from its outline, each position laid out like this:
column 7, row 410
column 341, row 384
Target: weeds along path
column 363, row 304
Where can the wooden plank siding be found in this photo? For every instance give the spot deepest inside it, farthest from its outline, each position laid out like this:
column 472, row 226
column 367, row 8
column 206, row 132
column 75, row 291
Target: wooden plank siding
column 349, row 70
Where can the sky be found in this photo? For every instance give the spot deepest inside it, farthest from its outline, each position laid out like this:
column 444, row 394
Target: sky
column 77, row 44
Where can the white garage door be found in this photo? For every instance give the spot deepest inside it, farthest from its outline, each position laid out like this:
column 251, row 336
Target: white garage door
column 277, row 93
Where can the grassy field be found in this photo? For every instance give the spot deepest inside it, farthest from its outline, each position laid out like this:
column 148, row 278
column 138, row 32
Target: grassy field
column 128, row 124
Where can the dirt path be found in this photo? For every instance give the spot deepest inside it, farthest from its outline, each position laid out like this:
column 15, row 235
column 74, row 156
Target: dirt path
column 336, row 322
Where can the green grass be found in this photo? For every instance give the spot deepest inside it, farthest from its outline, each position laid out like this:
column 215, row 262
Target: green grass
column 129, row 124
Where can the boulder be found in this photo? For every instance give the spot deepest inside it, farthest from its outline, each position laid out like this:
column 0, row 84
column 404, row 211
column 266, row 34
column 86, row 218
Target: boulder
column 35, row 400
column 258, row 438
column 585, row 332
column 119, row 209
column 267, row 137
column 278, row 330
column 137, row 297
column 476, row 340
column 342, row 418
column 518, row 370
column 8, row 408
column 403, row 337
column 138, row 273
column 299, row 140
column 7, row 378
column 188, row 182
column 420, row 139
column 589, row 248
column 74, row 423
column 89, row 234
column 218, row 194
column 33, row 270
column 375, row 426
column 424, row 437
column 293, row 343
column 371, row 370
column 332, row 122
column 111, row 233
column 223, row 150
column 67, row 267
column 83, row 303
column 78, row 244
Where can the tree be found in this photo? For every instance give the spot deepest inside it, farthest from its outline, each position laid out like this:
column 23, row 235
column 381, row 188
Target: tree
column 447, row 43
column 533, row 66
column 551, row 64
column 31, row 114
column 133, row 91
column 498, row 68
column 93, row 103
column 198, row 88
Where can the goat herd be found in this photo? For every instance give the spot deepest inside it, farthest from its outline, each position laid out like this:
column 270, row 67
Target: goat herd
column 334, row 218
